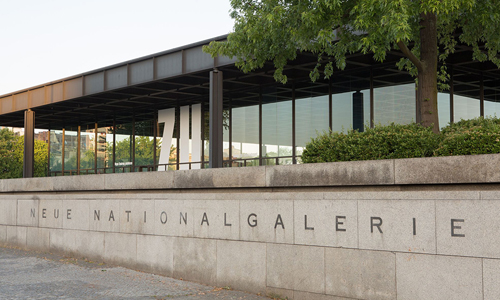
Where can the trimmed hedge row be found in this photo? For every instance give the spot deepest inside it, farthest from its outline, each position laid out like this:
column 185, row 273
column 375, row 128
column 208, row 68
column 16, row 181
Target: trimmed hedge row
column 476, row 136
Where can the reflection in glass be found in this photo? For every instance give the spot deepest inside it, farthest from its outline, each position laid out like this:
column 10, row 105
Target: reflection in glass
column 276, row 130
column 123, row 148
column 87, row 150
column 105, row 149
column 394, row 104
column 144, row 145
column 56, row 142
column 465, row 107
column 312, row 117
column 70, row 150
column 443, row 109
column 491, row 97
column 246, row 134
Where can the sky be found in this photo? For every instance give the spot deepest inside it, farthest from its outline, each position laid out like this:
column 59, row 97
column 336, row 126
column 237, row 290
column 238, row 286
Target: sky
column 43, row 41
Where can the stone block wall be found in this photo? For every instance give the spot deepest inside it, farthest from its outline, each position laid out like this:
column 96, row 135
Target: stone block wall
column 361, row 230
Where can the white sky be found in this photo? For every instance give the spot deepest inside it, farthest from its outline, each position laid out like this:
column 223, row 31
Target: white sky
column 42, row 41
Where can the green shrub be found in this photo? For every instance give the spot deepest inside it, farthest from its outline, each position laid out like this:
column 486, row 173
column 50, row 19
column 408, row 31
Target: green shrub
column 380, row 142
column 467, row 137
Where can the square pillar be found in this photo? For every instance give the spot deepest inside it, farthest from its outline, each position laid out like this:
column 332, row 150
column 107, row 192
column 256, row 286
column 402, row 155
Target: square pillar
column 29, row 144
column 216, row 120
column 357, row 112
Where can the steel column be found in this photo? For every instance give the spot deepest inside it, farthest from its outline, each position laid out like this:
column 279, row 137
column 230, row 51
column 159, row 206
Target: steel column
column 481, row 96
column 372, row 106
column 216, row 120
column 452, row 103
column 29, row 144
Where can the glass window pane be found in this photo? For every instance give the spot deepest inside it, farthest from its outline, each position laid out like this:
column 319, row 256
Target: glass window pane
column 491, row 97
column 444, row 109
column 123, row 148
column 144, row 145
column 56, row 139
column 245, row 131
column 312, row 117
column 70, row 150
column 277, row 124
column 394, row 104
column 87, row 151
column 105, row 149
column 466, row 95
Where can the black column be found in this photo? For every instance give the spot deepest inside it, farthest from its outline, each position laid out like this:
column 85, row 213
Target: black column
column 29, row 144
column 216, row 120
column 357, row 111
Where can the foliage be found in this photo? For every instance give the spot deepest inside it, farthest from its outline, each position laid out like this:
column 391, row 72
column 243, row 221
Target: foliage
column 476, row 136
column 276, row 29
column 425, row 31
column 11, row 156
column 380, row 142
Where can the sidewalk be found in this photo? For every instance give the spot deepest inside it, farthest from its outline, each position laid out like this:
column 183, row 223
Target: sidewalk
column 33, row 275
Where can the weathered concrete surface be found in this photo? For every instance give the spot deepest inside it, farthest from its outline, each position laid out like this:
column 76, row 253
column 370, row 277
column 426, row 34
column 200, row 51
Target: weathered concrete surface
column 145, row 181
column 434, row 170
column 450, row 169
column 438, row 277
column 225, row 177
column 374, row 172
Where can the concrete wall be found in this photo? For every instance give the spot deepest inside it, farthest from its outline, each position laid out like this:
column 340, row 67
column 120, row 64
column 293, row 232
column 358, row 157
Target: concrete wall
column 395, row 229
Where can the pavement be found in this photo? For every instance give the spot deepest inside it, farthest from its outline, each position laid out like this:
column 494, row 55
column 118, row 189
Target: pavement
column 37, row 275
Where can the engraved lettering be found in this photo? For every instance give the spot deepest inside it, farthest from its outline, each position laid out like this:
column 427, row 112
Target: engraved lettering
column 183, row 217
column 338, row 223
column 225, row 221
column 453, row 227
column 163, row 217
column 205, row 219
column 305, row 224
column 378, row 224
column 252, row 222
column 279, row 221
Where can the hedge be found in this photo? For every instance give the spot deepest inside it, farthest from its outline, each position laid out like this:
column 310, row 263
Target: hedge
column 476, row 136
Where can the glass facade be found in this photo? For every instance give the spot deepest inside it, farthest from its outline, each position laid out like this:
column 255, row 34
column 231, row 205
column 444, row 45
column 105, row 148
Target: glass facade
column 87, row 150
column 264, row 124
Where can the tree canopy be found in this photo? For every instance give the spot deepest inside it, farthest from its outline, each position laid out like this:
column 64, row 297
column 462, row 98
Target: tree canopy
column 425, row 31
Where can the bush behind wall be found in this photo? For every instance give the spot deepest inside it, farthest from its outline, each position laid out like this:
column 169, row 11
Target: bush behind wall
column 476, row 136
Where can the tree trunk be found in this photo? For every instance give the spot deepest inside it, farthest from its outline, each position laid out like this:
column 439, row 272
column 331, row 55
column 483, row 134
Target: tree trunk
column 427, row 111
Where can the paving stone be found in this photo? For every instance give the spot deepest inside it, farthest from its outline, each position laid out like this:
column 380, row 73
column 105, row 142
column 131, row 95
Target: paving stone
column 38, row 275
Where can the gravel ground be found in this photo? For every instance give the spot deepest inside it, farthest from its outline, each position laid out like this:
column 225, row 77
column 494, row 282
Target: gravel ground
column 34, row 275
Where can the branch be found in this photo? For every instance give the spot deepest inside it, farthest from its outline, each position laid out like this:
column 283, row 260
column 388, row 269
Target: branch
column 411, row 56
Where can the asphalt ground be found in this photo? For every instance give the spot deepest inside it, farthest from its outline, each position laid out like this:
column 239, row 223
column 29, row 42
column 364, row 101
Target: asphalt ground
column 37, row 275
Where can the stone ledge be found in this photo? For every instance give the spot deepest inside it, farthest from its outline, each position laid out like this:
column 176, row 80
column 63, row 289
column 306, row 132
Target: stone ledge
column 414, row 171
column 448, row 169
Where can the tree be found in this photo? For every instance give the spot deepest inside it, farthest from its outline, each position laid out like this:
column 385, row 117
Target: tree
column 426, row 32
column 12, row 153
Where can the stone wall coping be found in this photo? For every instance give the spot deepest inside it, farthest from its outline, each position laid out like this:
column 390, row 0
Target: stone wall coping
column 412, row 171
